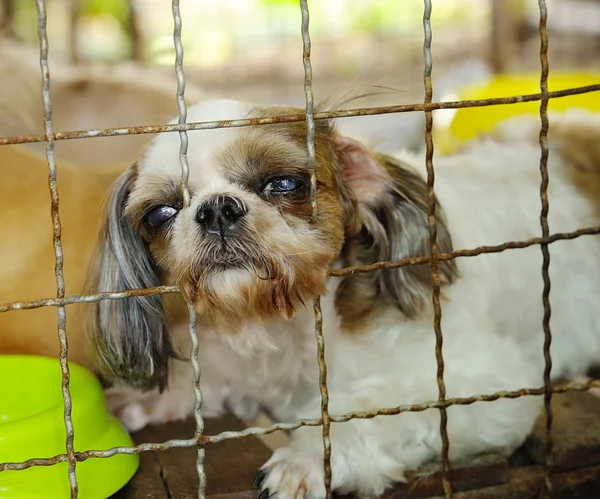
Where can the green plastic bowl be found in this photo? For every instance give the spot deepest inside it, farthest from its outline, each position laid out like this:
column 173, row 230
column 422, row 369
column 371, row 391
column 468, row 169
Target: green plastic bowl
column 32, row 426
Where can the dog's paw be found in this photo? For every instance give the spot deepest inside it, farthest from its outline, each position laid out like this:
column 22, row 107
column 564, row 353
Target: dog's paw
column 134, row 416
column 291, row 474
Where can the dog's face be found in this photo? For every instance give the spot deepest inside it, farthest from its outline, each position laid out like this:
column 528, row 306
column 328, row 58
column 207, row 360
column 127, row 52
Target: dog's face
column 248, row 248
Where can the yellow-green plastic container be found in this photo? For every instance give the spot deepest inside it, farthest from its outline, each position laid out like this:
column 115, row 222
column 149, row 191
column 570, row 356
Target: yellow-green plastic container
column 32, row 426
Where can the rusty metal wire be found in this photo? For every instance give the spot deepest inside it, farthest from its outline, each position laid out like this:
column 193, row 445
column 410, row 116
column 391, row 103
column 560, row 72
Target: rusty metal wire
column 544, row 246
column 434, row 250
column 310, row 146
column 58, row 252
column 325, row 416
column 480, row 250
column 292, row 118
column 185, row 172
column 356, row 269
column 113, row 295
column 309, row 98
column 205, row 440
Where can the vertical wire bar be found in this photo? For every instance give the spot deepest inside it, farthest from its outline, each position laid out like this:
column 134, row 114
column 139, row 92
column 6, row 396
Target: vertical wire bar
column 58, row 253
column 310, row 145
column 185, row 172
column 544, row 246
column 308, row 95
column 435, row 278
column 325, row 416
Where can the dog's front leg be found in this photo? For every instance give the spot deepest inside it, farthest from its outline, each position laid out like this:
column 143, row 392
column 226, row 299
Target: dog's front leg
column 367, row 455
column 137, row 409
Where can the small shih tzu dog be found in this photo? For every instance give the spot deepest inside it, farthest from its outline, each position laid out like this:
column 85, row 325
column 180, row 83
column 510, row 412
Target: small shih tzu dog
column 250, row 257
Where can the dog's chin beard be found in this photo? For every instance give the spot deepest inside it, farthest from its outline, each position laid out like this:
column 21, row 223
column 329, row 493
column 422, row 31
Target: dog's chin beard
column 260, row 268
column 229, row 294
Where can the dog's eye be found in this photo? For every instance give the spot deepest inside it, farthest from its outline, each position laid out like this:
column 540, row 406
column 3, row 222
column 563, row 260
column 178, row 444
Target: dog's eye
column 282, row 185
column 158, row 216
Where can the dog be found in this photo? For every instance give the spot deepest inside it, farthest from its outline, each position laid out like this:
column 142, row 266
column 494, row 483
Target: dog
column 249, row 255
column 86, row 97
column 27, row 263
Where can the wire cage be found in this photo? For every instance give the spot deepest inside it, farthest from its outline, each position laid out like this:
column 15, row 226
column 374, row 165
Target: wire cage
column 200, row 440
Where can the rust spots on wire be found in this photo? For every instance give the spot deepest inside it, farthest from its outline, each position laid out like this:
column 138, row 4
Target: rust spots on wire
column 310, row 146
column 309, row 98
column 293, row 118
column 544, row 246
column 58, row 253
column 30, row 463
column 434, row 250
column 420, row 260
column 205, row 440
column 325, row 416
column 513, row 394
column 60, row 302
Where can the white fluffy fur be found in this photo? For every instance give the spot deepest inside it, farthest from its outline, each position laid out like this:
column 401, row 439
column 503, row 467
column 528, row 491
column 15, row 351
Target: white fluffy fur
column 492, row 326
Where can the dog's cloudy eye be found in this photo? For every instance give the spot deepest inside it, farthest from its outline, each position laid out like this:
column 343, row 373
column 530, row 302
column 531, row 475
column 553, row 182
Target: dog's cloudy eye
column 158, row 216
column 281, row 185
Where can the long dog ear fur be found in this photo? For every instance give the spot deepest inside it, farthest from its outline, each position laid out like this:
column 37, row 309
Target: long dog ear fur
column 129, row 336
column 392, row 211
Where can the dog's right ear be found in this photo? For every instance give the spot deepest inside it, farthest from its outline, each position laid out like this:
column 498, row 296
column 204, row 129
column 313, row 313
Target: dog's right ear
column 392, row 208
column 129, row 336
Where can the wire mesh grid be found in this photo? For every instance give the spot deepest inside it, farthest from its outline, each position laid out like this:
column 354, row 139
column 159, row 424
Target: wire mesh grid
column 433, row 259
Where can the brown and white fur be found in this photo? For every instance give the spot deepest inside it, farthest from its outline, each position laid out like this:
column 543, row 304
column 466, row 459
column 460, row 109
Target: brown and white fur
column 27, row 263
column 251, row 259
column 85, row 97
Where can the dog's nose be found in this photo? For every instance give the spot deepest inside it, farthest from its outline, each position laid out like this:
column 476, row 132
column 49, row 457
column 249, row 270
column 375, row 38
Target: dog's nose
column 220, row 215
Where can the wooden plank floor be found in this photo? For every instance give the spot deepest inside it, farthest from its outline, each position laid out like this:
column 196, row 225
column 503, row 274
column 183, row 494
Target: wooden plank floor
column 230, row 465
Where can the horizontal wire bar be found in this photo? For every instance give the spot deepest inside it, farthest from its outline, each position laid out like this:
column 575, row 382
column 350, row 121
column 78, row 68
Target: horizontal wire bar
column 70, row 300
column 356, row 269
column 292, row 118
column 205, row 440
column 480, row 250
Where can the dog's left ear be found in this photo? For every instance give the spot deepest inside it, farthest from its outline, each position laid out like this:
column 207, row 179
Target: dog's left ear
column 129, row 336
column 391, row 210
